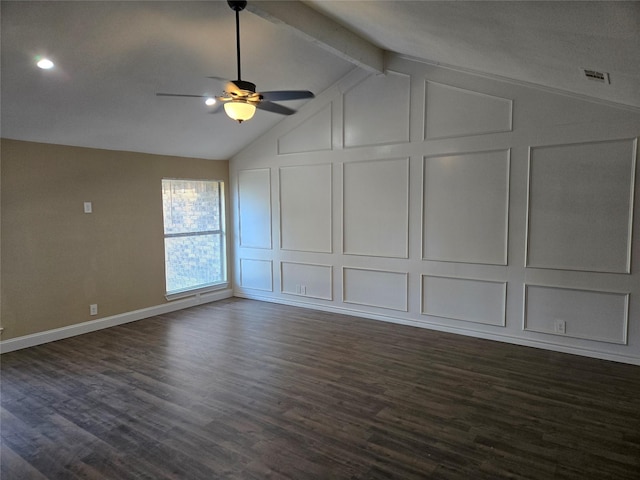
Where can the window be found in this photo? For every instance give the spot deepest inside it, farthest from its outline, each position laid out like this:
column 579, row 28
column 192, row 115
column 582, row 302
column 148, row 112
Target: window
column 194, row 239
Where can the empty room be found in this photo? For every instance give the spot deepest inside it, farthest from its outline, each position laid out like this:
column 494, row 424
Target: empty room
column 318, row 239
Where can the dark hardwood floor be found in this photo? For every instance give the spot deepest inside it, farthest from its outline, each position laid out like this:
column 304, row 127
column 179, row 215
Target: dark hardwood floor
column 241, row 389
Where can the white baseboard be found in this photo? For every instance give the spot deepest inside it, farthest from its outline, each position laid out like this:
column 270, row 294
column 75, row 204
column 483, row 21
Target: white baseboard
column 460, row 331
column 106, row 322
column 93, row 325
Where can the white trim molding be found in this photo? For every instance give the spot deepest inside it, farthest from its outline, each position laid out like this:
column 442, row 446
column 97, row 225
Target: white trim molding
column 40, row 338
column 498, row 337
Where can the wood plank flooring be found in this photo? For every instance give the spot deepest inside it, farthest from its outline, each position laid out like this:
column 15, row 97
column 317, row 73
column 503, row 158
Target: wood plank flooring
column 241, row 389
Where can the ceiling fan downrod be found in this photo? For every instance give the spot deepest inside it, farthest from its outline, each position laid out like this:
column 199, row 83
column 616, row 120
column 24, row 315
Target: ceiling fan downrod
column 237, row 6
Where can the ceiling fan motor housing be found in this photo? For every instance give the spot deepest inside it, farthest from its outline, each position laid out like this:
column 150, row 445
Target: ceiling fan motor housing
column 246, row 86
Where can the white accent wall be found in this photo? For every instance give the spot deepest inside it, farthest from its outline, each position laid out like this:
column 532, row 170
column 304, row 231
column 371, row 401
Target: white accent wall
column 445, row 200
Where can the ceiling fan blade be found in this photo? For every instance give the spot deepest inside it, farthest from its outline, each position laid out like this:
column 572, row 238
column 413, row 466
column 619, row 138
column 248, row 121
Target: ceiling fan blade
column 240, row 87
column 275, row 108
column 231, row 88
column 213, row 108
column 281, row 95
column 182, row 95
column 217, row 107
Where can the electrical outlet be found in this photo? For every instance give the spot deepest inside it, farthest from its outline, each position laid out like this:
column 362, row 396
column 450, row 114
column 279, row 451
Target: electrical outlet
column 303, row 289
column 93, row 309
column 560, row 326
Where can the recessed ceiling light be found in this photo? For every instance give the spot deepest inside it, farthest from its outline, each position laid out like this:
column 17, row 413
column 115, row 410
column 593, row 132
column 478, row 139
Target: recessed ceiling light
column 45, row 63
column 210, row 101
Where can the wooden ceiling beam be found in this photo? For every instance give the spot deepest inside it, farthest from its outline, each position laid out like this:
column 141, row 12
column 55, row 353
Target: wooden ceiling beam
column 322, row 31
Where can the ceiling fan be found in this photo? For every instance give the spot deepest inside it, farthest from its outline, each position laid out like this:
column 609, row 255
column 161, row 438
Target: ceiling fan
column 240, row 98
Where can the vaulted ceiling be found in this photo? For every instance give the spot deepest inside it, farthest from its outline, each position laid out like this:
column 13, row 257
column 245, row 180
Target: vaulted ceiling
column 113, row 56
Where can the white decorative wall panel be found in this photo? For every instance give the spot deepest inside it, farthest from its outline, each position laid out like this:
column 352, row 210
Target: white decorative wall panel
column 479, row 301
column 307, row 280
column 587, row 314
column 376, row 111
column 375, row 288
column 376, row 208
column 305, row 208
column 311, row 135
column 466, row 207
column 492, row 206
column 256, row 274
column 254, row 208
column 456, row 112
column 581, row 206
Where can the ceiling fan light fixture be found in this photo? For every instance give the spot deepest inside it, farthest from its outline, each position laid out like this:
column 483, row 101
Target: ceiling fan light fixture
column 239, row 110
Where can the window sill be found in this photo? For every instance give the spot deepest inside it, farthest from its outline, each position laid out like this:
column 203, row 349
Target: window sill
column 196, row 291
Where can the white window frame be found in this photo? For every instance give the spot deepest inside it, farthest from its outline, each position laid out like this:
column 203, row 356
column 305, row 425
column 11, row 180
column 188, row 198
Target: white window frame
column 197, row 290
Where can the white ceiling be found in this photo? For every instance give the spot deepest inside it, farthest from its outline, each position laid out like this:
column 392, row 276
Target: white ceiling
column 112, row 57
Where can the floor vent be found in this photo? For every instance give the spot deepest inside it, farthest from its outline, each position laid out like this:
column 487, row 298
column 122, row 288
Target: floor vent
column 596, row 76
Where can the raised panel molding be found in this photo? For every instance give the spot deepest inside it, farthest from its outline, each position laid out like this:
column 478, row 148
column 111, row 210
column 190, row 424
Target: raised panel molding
column 580, row 206
column 456, row 112
column 307, row 280
column 306, row 208
column 254, row 208
column 313, row 134
column 375, row 218
column 476, row 199
column 470, row 300
column 375, row 288
column 256, row 274
column 587, row 314
column 376, row 111
column 466, row 207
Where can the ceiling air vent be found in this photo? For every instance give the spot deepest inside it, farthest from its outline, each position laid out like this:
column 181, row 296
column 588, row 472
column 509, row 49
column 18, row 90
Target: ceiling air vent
column 596, row 76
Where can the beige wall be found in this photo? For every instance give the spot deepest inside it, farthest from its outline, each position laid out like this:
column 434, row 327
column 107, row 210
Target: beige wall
column 57, row 260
